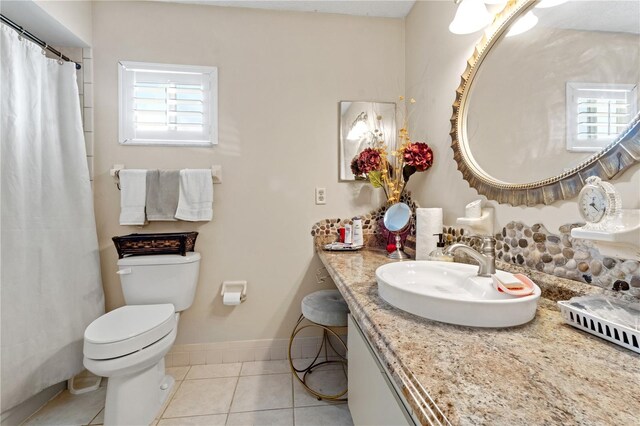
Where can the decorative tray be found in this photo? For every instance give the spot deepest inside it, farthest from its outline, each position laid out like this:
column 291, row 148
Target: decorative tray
column 609, row 319
column 341, row 247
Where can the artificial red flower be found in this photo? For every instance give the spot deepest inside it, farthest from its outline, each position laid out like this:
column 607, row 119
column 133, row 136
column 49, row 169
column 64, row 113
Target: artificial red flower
column 418, row 155
column 367, row 161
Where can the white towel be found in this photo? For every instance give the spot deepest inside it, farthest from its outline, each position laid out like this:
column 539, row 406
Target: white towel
column 133, row 192
column 428, row 223
column 195, row 201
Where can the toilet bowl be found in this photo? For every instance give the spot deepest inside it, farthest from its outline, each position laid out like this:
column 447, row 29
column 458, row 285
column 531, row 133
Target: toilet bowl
column 128, row 344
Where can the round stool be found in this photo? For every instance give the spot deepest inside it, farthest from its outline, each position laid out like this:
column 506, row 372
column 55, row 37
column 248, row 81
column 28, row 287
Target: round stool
column 324, row 309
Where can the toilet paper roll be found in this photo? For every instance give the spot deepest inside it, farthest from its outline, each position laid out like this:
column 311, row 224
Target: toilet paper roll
column 473, row 210
column 428, row 223
column 231, row 298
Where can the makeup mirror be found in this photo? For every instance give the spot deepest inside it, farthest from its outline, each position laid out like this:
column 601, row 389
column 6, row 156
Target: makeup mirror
column 397, row 219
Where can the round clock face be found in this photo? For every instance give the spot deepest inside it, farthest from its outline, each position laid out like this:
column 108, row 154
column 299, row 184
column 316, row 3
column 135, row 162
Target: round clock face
column 593, row 204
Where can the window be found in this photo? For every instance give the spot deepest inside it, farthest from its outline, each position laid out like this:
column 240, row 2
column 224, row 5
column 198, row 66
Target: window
column 164, row 104
column 597, row 113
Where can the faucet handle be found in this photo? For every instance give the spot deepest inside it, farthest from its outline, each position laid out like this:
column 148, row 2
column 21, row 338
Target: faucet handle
column 488, row 243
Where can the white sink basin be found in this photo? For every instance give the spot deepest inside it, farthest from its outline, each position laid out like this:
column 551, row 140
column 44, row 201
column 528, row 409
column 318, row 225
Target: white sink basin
column 452, row 293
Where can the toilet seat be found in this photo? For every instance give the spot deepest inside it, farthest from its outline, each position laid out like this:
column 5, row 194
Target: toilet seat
column 128, row 329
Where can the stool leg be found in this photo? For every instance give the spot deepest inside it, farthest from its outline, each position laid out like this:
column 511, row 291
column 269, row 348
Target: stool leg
column 326, row 342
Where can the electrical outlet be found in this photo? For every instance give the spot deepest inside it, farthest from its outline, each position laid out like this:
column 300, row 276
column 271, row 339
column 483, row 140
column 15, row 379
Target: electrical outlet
column 321, row 196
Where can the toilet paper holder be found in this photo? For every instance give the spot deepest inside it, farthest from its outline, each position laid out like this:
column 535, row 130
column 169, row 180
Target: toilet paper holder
column 234, row 287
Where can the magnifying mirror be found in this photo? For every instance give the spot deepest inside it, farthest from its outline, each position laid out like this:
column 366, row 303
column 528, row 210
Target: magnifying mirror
column 397, row 219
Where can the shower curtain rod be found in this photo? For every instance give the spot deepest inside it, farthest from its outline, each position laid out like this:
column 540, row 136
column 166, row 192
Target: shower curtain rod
column 36, row 40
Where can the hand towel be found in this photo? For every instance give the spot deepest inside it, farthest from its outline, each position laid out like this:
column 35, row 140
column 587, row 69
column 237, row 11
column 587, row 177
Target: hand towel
column 195, row 200
column 133, row 188
column 428, row 223
column 162, row 194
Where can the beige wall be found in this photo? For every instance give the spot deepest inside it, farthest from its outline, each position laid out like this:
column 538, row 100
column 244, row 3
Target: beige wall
column 74, row 15
column 435, row 58
column 281, row 77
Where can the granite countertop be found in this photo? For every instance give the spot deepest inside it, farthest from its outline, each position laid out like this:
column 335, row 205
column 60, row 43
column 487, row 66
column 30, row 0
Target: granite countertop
column 543, row 372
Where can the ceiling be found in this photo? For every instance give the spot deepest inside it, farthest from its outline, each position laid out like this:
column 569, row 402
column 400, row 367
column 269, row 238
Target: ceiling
column 373, row 8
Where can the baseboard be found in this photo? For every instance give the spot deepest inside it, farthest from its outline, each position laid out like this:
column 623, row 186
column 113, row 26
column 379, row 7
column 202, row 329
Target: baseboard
column 243, row 351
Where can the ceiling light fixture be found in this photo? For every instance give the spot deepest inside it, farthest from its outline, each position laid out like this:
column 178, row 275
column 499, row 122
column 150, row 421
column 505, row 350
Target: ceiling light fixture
column 471, row 16
column 523, row 24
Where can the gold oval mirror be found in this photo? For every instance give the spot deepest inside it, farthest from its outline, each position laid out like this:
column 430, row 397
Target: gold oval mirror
column 549, row 98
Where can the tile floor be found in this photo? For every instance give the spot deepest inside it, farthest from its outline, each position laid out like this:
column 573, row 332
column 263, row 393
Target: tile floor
column 248, row 393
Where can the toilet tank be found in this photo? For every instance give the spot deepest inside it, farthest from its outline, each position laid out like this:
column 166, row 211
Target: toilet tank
column 166, row 278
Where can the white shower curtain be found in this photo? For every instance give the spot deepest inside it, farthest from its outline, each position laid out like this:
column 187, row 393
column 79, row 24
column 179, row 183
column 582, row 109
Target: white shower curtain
column 51, row 287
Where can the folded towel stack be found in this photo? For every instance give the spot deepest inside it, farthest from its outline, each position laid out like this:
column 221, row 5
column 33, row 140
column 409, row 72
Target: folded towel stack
column 159, row 195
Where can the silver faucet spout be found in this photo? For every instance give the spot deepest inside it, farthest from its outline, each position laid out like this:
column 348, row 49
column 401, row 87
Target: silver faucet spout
column 486, row 260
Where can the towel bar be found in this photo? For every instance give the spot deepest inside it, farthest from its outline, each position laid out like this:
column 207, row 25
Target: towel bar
column 216, row 173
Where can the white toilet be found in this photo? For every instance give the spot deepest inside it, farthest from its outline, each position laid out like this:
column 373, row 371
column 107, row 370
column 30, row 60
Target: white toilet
column 128, row 344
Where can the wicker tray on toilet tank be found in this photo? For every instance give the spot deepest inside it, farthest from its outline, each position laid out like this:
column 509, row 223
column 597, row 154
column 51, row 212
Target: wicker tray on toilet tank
column 163, row 243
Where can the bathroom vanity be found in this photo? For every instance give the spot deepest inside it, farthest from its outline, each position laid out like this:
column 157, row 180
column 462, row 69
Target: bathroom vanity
column 404, row 369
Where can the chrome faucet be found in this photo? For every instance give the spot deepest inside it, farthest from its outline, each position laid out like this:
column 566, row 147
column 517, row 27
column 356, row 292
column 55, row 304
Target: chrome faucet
column 486, row 260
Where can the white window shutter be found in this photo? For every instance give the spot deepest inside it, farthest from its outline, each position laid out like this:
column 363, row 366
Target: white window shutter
column 164, row 104
column 598, row 113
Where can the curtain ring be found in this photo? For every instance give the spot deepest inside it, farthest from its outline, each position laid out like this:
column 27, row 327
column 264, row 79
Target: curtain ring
column 60, row 61
column 21, row 35
column 44, row 49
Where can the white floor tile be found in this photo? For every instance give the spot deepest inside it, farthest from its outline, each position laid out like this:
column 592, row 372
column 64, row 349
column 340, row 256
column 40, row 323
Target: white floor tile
column 215, row 420
column 200, row 397
column 262, row 418
column 330, row 415
column 254, row 368
column 99, row 419
column 328, row 382
column 177, row 373
column 267, row 392
column 67, row 409
column 167, row 401
column 212, row 371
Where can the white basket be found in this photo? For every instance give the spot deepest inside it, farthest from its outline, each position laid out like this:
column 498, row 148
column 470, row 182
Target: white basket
column 615, row 333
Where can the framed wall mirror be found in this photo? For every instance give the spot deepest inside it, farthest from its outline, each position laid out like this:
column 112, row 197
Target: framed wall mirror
column 550, row 97
column 364, row 125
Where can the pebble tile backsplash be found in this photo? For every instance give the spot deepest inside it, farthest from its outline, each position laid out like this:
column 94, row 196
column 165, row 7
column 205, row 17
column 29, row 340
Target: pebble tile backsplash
column 533, row 247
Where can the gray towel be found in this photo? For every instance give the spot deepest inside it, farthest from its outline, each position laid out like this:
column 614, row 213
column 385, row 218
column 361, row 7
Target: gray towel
column 162, row 194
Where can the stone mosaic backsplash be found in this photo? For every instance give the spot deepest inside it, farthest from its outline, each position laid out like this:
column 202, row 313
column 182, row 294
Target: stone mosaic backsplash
column 533, row 247
column 329, row 227
column 560, row 255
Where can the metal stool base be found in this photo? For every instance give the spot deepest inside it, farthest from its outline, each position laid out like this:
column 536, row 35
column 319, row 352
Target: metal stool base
column 326, row 343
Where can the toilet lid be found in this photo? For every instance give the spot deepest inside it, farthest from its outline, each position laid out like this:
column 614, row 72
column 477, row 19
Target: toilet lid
column 128, row 329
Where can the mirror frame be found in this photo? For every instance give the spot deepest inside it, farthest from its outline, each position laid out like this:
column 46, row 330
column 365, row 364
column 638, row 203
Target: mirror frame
column 608, row 163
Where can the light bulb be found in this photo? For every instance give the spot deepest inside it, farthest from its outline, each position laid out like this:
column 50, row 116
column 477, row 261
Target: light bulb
column 525, row 23
column 357, row 131
column 471, row 16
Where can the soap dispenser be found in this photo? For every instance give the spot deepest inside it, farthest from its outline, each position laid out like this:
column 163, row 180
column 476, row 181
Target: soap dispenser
column 438, row 253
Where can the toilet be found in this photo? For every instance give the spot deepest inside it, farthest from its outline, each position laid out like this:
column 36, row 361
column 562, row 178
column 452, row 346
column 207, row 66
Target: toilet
column 128, row 344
